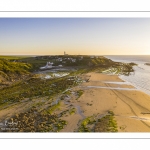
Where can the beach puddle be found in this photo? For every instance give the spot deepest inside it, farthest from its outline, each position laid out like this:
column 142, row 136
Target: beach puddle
column 120, row 83
column 79, row 111
column 140, row 118
column 110, row 88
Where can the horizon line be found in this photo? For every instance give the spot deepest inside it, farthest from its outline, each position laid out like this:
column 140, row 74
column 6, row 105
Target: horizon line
column 77, row 55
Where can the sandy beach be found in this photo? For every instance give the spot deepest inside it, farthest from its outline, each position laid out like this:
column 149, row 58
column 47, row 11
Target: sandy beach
column 101, row 93
column 131, row 107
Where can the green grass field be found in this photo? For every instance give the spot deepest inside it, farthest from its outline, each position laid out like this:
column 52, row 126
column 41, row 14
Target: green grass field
column 13, row 57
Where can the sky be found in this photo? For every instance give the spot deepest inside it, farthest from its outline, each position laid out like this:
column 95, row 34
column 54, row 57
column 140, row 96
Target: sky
column 75, row 36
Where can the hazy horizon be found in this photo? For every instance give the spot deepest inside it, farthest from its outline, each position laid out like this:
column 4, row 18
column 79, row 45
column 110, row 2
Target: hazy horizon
column 73, row 55
column 75, row 36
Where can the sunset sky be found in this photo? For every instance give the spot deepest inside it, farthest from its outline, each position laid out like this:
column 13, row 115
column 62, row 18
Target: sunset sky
column 87, row 36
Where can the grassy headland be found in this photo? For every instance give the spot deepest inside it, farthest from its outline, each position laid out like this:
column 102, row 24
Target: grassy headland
column 19, row 82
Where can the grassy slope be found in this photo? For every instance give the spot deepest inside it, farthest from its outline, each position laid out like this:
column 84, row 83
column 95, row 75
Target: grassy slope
column 33, row 87
column 10, row 70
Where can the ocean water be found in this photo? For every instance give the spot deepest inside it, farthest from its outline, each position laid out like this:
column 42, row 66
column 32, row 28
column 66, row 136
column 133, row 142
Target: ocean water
column 140, row 78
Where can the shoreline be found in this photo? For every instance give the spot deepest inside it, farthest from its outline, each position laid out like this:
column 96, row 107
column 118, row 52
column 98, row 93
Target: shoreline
column 135, row 80
column 141, row 63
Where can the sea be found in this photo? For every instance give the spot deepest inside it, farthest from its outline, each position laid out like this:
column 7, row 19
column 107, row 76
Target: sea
column 140, row 78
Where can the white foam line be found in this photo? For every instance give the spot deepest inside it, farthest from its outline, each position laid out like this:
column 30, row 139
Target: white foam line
column 135, row 82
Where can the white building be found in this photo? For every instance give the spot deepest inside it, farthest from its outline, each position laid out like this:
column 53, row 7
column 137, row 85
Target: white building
column 92, row 57
column 48, row 65
column 59, row 59
column 73, row 60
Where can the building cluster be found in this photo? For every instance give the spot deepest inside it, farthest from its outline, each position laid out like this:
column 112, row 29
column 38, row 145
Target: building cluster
column 57, row 61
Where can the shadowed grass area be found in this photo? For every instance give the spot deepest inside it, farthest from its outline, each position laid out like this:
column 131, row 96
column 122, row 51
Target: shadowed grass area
column 33, row 121
column 106, row 123
column 34, row 87
column 79, row 93
column 95, row 124
column 51, row 109
column 72, row 111
column 86, row 124
column 11, row 69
